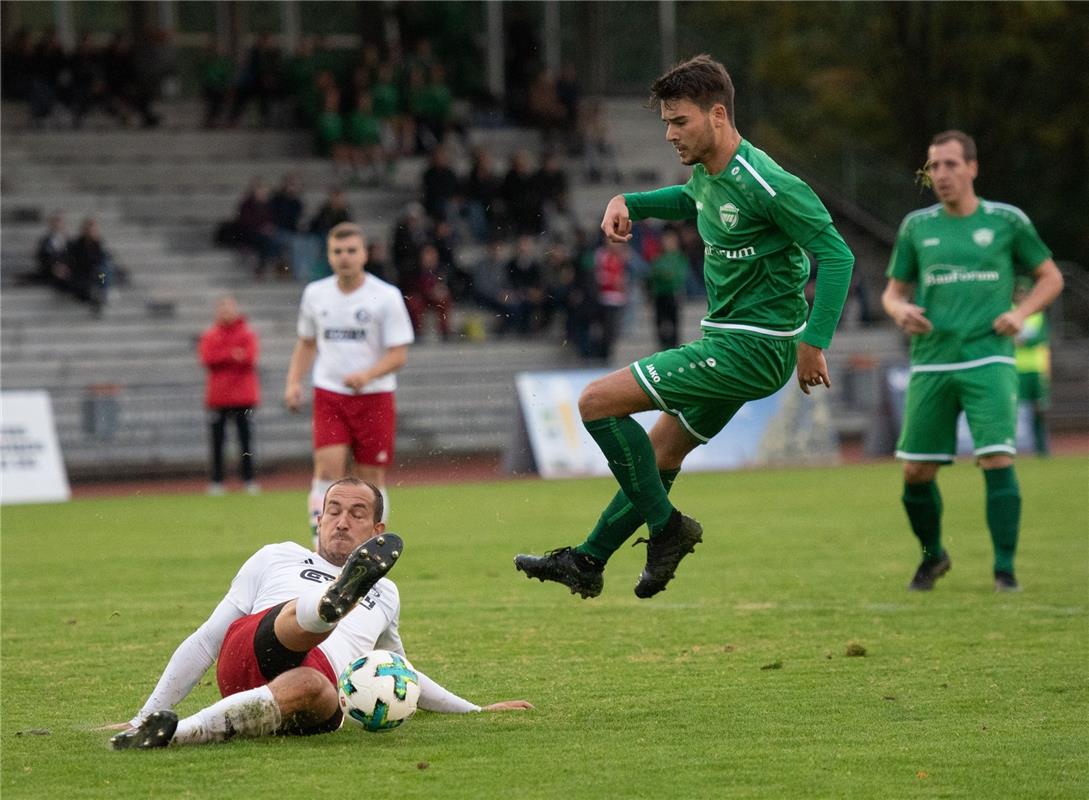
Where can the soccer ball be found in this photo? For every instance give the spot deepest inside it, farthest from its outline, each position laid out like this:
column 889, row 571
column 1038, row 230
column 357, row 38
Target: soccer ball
column 378, row 691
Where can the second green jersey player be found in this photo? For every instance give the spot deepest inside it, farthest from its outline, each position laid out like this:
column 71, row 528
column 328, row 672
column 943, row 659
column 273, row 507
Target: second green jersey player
column 756, row 221
column 951, row 282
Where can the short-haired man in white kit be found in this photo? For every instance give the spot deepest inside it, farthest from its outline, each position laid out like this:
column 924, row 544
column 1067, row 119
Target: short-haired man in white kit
column 285, row 630
column 355, row 330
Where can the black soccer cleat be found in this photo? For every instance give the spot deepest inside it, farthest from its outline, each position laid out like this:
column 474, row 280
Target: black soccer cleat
column 155, row 731
column 580, row 573
column 1005, row 582
column 929, row 571
column 665, row 550
column 367, row 564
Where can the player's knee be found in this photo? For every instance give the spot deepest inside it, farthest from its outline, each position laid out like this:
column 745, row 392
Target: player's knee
column 303, row 689
column 919, row 471
column 591, row 403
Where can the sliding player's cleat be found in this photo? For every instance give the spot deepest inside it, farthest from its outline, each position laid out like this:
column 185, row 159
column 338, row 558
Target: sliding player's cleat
column 365, row 566
column 155, row 731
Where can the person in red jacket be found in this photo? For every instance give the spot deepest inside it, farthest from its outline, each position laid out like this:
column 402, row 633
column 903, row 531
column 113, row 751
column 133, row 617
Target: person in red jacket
column 228, row 351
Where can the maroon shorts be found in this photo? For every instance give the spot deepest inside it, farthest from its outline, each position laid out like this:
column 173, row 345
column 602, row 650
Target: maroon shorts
column 365, row 422
column 251, row 656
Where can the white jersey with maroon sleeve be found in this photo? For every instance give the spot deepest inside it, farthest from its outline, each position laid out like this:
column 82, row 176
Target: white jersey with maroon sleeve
column 353, row 330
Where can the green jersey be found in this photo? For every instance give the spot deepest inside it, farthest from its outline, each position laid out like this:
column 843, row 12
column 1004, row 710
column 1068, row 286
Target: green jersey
column 755, row 218
column 964, row 269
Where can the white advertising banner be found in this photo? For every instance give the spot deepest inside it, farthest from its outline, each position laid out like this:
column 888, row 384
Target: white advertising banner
column 31, row 467
column 785, row 428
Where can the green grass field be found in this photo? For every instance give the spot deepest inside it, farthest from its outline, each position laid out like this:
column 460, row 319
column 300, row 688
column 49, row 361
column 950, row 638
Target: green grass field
column 734, row 683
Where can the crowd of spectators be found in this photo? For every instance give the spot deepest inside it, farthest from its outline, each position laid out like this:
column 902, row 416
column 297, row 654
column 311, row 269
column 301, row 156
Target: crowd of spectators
column 121, row 78
column 80, row 267
column 365, row 109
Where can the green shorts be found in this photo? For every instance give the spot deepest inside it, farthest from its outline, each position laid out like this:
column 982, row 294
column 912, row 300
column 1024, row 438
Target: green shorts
column 705, row 382
column 988, row 397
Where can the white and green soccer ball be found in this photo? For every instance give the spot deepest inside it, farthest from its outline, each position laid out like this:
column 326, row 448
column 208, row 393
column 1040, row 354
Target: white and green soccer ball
column 379, row 690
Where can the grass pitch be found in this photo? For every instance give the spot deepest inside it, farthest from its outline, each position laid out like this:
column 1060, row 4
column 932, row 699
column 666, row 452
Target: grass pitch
column 786, row 660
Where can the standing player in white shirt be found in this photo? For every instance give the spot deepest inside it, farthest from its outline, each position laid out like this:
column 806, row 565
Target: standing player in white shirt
column 283, row 633
column 358, row 328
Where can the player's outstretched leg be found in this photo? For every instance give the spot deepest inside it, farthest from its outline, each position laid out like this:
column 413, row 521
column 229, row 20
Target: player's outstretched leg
column 929, row 571
column 580, row 573
column 155, row 731
column 363, row 569
column 665, row 550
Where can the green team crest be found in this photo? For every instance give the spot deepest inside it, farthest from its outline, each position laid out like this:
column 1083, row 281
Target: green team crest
column 728, row 214
column 983, row 236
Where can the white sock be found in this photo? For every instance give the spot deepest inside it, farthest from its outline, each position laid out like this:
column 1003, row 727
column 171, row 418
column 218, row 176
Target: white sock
column 385, row 503
column 306, row 611
column 318, row 488
column 251, row 713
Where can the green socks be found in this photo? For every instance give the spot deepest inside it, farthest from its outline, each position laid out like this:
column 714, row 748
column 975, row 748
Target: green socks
column 923, row 504
column 1003, row 515
column 630, row 455
column 618, row 522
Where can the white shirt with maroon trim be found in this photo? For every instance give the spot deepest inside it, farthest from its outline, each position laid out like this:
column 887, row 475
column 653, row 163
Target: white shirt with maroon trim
column 353, row 330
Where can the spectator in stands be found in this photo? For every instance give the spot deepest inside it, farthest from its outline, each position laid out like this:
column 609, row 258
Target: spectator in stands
column 668, row 275
column 577, row 295
column 256, row 229
column 429, row 291
column 86, row 85
column 52, row 256
column 44, row 66
column 440, row 186
column 436, row 105
column 387, row 108
column 522, row 202
column 611, row 269
column 363, row 138
column 551, row 186
column 529, row 294
column 299, row 82
column 259, row 79
column 546, row 111
column 568, row 93
column 489, row 286
column 286, row 204
column 216, row 74
column 414, row 101
column 329, row 133
column 599, row 151
column 411, row 232
column 91, row 266
column 378, row 263
column 333, row 212
column 16, row 56
column 228, row 350
column 482, row 190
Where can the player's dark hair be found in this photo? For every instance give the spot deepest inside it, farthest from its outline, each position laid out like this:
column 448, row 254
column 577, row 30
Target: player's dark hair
column 702, row 80
column 379, row 503
column 345, row 230
column 967, row 143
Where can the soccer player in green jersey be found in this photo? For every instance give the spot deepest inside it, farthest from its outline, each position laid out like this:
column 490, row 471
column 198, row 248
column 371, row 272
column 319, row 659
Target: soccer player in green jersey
column 951, row 282
column 756, row 221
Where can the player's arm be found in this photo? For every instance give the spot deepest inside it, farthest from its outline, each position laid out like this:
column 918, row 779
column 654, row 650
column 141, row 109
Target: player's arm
column 835, row 264
column 392, row 360
column 188, row 663
column 670, row 202
column 302, row 358
column 897, row 300
column 1048, row 285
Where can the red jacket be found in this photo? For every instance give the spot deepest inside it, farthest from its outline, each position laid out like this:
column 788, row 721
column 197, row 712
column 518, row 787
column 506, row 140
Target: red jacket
column 229, row 353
